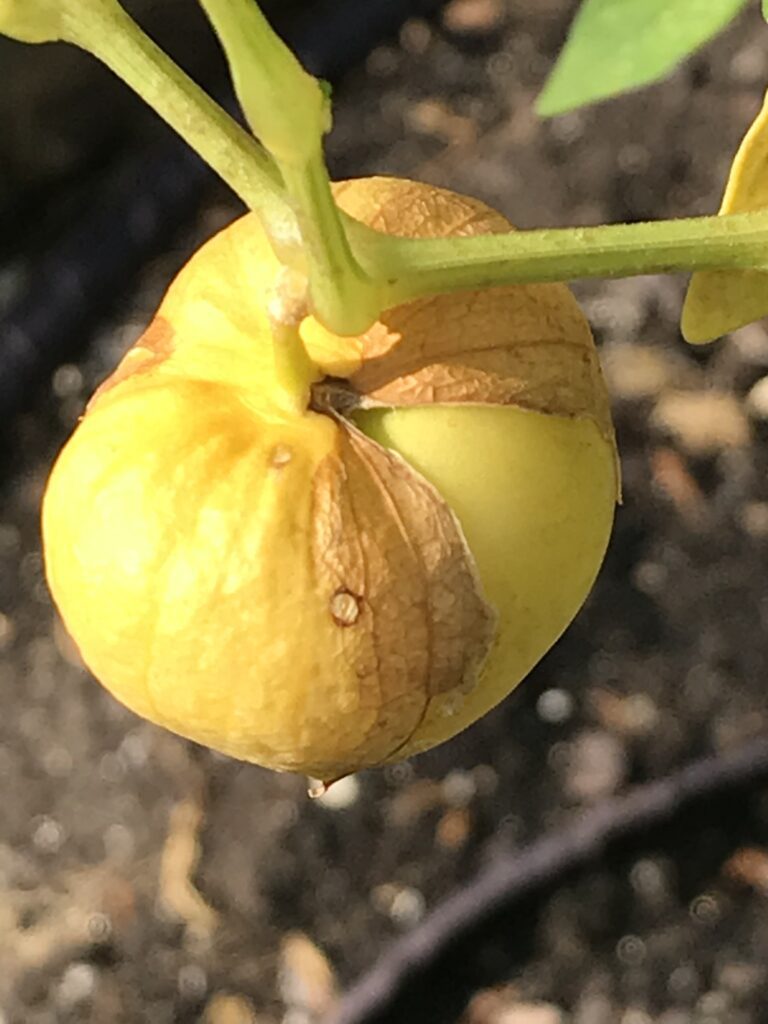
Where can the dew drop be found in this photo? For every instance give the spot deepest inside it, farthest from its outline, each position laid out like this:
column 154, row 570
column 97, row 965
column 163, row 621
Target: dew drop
column 280, row 456
column 345, row 608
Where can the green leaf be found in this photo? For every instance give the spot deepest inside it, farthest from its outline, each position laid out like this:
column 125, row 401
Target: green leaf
column 765, row 9
column 616, row 45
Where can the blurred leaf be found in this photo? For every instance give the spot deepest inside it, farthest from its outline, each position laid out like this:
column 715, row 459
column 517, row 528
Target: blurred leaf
column 719, row 301
column 615, row 45
column 765, row 9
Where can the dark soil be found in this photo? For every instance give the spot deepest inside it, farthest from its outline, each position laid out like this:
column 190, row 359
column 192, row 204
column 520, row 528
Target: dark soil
column 145, row 879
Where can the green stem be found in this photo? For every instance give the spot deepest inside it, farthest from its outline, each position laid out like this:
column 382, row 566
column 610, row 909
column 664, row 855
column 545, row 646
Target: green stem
column 419, row 267
column 294, row 371
column 104, row 29
column 343, row 297
column 288, row 110
column 355, row 271
column 285, row 106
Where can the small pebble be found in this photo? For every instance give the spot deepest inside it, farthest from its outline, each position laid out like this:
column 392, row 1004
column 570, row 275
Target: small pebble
column 705, row 909
column 650, row 880
column 750, row 867
column 77, row 984
column 435, row 117
column 555, row 706
column 748, row 66
column 637, row 372
column 751, row 343
column 650, row 577
column 224, row 1008
column 306, row 978
column 67, row 381
column 596, row 766
column 594, row 1008
column 742, row 979
column 630, row 950
column 757, row 399
column 633, row 715
column 415, row 36
column 10, row 539
column 703, row 422
column 402, row 903
column 453, row 828
column 754, row 518
column 48, row 835
column 408, row 907
column 683, row 983
column 530, row 1013
column 458, row 788
column 672, row 477
column 7, row 632
column 473, row 17
column 714, row 1004
column 192, row 981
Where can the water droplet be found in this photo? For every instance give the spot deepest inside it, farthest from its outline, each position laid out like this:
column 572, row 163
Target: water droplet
column 280, row 456
column 341, row 794
column 345, row 608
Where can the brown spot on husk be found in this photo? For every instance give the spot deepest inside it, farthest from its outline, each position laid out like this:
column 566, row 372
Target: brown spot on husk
column 155, row 345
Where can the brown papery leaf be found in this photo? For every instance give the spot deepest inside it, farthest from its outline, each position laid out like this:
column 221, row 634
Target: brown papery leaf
column 401, row 583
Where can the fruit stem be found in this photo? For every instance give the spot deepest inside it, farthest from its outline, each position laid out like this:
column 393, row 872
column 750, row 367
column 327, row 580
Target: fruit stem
column 421, row 267
column 289, row 110
column 294, row 370
column 354, row 272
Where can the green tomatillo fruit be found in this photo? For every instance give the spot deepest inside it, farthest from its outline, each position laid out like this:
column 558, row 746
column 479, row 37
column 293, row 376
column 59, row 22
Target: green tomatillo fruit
column 333, row 556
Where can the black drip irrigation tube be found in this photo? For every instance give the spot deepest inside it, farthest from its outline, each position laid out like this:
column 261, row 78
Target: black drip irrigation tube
column 144, row 201
column 377, row 997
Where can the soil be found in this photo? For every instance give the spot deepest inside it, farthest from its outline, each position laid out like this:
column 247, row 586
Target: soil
column 145, row 879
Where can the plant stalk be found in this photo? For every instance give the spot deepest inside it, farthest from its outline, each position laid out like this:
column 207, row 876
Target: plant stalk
column 104, row 29
column 354, row 271
column 415, row 268
column 288, row 109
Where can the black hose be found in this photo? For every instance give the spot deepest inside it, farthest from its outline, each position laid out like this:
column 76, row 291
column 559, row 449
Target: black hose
column 541, row 864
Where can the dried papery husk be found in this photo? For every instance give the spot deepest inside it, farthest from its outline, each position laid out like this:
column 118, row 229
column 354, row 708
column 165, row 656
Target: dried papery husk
column 332, row 588
column 524, row 345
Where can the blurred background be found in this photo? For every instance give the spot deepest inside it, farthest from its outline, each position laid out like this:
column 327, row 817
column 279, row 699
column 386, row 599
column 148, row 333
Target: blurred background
column 145, row 879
